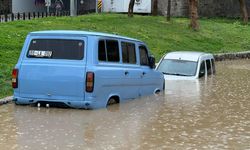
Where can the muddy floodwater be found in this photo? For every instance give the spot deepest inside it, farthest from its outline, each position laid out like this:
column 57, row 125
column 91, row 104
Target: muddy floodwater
column 210, row 113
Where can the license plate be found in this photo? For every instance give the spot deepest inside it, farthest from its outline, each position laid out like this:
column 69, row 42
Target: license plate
column 40, row 54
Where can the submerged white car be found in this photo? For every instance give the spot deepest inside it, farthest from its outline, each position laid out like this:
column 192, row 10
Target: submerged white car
column 186, row 65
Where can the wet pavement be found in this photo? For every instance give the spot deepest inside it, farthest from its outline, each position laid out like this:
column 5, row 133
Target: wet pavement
column 210, row 113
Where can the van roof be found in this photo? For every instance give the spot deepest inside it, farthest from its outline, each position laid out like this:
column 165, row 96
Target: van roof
column 186, row 55
column 74, row 32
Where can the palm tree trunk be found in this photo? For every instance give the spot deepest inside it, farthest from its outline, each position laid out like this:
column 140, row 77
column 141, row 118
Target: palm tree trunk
column 193, row 8
column 131, row 8
column 169, row 10
column 244, row 12
column 155, row 7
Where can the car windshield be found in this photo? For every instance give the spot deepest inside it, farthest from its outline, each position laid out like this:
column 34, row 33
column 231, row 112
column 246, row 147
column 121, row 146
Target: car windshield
column 178, row 67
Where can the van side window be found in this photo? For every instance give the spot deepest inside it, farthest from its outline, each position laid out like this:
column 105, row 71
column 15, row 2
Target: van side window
column 108, row 50
column 209, row 68
column 202, row 69
column 213, row 66
column 143, row 56
column 128, row 53
column 102, row 51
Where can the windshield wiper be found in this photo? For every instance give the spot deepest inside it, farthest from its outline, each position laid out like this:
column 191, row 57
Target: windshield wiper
column 176, row 74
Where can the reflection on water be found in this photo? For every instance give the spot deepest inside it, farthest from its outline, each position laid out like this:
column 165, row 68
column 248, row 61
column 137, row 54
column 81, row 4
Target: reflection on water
column 212, row 113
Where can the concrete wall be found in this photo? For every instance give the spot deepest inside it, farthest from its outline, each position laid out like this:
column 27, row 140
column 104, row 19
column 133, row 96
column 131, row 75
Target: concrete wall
column 178, row 7
column 207, row 8
column 223, row 8
column 87, row 6
column 26, row 6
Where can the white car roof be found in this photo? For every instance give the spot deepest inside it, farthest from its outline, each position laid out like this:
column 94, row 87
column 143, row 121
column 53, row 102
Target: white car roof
column 186, row 55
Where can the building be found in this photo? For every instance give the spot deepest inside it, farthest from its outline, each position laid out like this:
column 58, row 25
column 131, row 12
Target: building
column 21, row 6
column 121, row 6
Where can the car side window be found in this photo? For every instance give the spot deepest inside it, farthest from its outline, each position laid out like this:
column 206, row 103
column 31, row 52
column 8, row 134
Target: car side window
column 209, row 68
column 202, row 69
column 108, row 50
column 143, row 56
column 128, row 53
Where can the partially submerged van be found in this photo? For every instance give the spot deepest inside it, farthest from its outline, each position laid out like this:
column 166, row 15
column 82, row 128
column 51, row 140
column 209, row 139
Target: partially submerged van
column 83, row 69
column 185, row 65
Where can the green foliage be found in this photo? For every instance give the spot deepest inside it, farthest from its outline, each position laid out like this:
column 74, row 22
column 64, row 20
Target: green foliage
column 215, row 35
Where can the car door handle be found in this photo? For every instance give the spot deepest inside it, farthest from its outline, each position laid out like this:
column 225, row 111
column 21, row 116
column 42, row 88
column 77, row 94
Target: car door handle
column 126, row 72
column 143, row 73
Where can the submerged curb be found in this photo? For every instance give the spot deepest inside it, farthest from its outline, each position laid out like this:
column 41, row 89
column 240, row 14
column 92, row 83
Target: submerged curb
column 6, row 100
column 232, row 56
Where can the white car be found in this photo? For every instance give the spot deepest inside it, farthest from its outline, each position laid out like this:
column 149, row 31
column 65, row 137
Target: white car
column 186, row 65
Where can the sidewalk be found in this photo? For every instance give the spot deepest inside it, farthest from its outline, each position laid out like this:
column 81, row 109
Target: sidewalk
column 6, row 100
column 232, row 56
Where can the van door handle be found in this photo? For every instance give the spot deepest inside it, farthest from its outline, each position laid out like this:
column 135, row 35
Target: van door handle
column 143, row 73
column 126, row 72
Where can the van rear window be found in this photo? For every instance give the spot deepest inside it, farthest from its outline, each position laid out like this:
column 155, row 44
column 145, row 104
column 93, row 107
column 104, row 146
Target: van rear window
column 56, row 49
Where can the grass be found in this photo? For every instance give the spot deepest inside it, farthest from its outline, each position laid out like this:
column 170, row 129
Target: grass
column 215, row 35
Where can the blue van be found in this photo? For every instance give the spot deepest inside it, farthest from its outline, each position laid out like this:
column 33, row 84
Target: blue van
column 83, row 69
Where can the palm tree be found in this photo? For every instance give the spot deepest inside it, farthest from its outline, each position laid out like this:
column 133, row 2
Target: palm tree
column 155, row 7
column 193, row 10
column 169, row 10
column 131, row 8
column 244, row 12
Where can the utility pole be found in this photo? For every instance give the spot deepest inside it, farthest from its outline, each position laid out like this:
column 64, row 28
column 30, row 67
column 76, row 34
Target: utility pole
column 73, row 7
column 96, row 6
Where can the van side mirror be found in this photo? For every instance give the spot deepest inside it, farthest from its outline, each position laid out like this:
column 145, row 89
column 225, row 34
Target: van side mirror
column 152, row 62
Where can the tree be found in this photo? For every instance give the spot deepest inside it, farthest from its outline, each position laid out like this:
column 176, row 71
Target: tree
column 169, row 10
column 155, row 7
column 244, row 12
column 193, row 10
column 131, row 8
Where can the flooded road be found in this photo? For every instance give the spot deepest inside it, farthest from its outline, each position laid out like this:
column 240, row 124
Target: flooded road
column 212, row 113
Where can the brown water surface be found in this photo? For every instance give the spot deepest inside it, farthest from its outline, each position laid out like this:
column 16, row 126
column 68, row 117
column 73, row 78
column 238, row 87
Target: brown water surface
column 210, row 113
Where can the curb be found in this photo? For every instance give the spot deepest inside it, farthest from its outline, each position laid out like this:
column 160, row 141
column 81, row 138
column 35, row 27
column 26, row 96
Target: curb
column 6, row 100
column 232, row 56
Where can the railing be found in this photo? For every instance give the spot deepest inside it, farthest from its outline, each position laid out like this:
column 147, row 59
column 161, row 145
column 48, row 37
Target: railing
column 29, row 16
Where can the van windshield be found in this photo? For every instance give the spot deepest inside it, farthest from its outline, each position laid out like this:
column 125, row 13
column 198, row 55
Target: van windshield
column 178, row 67
column 56, row 49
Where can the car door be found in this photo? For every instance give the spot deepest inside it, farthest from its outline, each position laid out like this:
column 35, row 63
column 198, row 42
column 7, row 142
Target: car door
column 149, row 77
column 202, row 70
column 213, row 66
column 132, row 71
column 56, row 77
column 209, row 67
column 114, row 74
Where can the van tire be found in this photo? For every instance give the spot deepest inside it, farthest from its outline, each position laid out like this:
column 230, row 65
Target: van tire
column 157, row 92
column 113, row 100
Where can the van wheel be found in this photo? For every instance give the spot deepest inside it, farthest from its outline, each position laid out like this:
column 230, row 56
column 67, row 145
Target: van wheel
column 113, row 100
column 157, row 92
